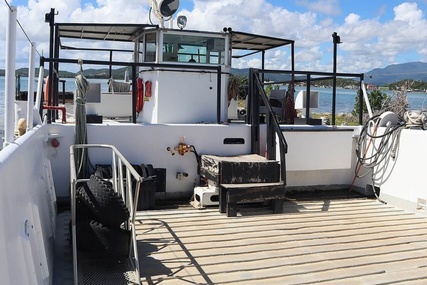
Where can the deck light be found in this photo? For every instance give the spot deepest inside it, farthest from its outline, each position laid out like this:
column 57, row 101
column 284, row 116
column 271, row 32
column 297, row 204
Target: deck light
column 167, row 7
column 163, row 9
column 181, row 22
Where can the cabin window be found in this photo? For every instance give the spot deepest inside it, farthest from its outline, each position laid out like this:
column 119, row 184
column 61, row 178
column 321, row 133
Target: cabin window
column 150, row 47
column 193, row 49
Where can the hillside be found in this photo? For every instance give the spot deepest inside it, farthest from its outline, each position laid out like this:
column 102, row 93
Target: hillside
column 89, row 73
column 397, row 72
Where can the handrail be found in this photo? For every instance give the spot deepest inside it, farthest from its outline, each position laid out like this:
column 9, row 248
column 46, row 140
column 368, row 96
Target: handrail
column 308, row 76
column 273, row 127
column 118, row 161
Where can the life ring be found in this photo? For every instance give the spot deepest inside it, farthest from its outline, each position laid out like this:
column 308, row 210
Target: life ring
column 46, row 91
column 148, row 89
column 139, row 94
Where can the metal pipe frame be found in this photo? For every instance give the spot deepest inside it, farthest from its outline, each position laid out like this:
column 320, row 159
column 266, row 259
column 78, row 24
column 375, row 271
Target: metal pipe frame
column 118, row 161
column 308, row 77
column 154, row 66
column 256, row 90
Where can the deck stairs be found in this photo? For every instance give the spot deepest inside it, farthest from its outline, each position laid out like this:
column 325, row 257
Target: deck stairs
column 241, row 178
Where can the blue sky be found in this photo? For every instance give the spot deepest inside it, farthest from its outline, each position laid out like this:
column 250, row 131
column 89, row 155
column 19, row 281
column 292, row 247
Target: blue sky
column 374, row 33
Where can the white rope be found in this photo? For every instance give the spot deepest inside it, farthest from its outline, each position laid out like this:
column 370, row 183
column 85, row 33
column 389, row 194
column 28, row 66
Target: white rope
column 382, row 147
column 415, row 119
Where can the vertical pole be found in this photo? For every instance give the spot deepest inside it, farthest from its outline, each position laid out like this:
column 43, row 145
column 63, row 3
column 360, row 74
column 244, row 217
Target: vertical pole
column 54, row 87
column 39, row 104
column 50, row 18
column 361, row 103
column 336, row 41
column 254, row 93
column 10, row 64
column 308, row 100
column 262, row 67
column 110, row 68
column 63, row 91
column 219, row 108
column 31, row 75
column 134, row 90
column 293, row 60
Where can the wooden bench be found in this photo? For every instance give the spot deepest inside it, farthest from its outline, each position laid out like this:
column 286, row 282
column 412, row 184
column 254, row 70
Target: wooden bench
column 230, row 194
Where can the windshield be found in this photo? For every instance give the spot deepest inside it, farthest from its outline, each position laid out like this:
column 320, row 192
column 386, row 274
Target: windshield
column 193, row 48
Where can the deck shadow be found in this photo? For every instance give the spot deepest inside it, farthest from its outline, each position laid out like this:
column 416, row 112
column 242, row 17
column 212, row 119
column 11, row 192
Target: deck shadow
column 151, row 267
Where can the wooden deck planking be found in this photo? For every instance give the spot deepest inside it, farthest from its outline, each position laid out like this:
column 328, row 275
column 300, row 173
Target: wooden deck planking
column 336, row 241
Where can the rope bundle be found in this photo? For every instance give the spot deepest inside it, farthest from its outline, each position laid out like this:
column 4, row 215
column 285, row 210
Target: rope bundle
column 415, row 119
column 80, row 129
column 373, row 149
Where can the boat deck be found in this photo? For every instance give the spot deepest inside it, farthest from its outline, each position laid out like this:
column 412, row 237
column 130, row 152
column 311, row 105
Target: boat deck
column 321, row 240
column 318, row 240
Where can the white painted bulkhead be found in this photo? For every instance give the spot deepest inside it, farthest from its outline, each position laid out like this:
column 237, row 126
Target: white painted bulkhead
column 319, row 157
column 402, row 179
column 27, row 210
column 148, row 144
column 184, row 97
column 318, row 160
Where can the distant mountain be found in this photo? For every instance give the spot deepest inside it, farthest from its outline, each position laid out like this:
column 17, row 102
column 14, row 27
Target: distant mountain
column 89, row 73
column 397, row 72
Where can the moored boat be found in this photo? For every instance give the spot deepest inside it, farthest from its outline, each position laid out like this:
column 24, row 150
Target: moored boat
column 92, row 200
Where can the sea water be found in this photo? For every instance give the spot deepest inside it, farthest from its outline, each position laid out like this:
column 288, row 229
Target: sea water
column 345, row 99
column 70, row 86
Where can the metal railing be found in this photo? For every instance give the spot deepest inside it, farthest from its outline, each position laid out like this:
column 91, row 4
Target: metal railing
column 256, row 91
column 214, row 69
column 122, row 186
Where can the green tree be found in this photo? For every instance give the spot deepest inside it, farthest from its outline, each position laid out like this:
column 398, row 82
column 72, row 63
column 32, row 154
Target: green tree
column 238, row 86
column 377, row 99
column 270, row 87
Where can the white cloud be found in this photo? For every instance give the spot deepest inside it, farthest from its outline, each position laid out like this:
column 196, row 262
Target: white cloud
column 408, row 12
column 352, row 19
column 367, row 42
column 327, row 7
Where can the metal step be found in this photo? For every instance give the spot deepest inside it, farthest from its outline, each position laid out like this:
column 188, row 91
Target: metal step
column 249, row 168
column 231, row 194
column 94, row 271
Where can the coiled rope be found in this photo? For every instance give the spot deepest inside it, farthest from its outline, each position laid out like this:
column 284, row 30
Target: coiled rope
column 415, row 119
column 372, row 149
column 81, row 156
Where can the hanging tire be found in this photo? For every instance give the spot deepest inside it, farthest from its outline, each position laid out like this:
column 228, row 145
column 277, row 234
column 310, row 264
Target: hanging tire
column 103, row 171
column 83, row 211
column 94, row 237
column 104, row 203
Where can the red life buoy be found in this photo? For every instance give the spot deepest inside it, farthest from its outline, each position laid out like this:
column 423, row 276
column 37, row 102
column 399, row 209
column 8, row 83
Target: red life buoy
column 148, row 88
column 139, row 94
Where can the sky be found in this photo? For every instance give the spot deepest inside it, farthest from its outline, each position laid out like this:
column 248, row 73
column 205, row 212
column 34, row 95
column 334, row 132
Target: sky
column 374, row 33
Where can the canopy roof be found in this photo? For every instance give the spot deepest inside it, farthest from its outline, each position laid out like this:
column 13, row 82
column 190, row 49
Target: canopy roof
column 131, row 32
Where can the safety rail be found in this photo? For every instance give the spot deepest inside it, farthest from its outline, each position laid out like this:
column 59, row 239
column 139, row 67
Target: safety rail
column 273, row 128
column 306, row 78
column 122, row 186
column 214, row 69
